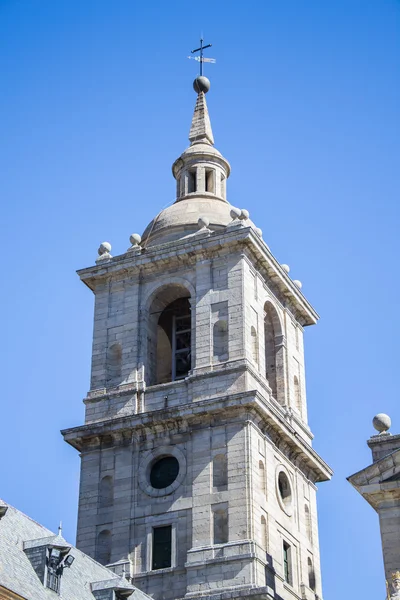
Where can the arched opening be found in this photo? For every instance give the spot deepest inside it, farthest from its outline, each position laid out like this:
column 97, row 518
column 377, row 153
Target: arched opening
column 254, row 345
column 264, row 539
column 261, row 470
column 220, row 340
column 273, row 351
column 103, row 547
column 311, row 574
column 114, row 365
column 297, row 397
column 106, row 492
column 169, row 336
column 220, row 472
column 307, row 517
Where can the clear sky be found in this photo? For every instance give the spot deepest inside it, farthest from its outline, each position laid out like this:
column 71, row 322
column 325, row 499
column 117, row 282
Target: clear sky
column 95, row 106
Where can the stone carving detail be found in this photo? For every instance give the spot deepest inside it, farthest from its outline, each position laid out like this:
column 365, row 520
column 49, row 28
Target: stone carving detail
column 395, row 586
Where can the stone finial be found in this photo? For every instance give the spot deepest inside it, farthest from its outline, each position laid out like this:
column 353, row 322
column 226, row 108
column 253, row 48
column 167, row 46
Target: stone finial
column 286, row 268
column 200, row 130
column 135, row 240
column 104, row 252
column 298, row 283
column 235, row 213
column 382, row 423
column 258, row 231
column 244, row 214
column 203, row 222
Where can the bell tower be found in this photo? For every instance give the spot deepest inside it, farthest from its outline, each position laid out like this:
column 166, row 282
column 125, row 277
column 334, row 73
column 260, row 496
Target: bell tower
column 197, row 470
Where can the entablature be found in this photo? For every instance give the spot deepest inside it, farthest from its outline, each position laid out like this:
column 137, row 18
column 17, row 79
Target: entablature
column 244, row 406
column 201, row 246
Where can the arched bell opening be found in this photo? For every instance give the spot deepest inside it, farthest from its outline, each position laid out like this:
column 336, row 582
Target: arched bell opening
column 169, row 336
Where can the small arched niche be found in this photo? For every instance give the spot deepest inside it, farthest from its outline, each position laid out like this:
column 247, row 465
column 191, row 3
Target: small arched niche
column 106, row 492
column 307, row 518
column 297, row 395
column 103, row 547
column 220, row 472
column 261, row 471
column 169, row 334
column 264, row 533
column 114, row 365
column 220, row 340
column 254, row 345
column 311, row 574
column 273, row 349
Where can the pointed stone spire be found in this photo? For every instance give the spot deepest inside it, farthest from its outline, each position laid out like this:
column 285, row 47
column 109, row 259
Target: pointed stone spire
column 200, row 130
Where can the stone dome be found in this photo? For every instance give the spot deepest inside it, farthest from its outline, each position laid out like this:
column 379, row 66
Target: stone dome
column 181, row 219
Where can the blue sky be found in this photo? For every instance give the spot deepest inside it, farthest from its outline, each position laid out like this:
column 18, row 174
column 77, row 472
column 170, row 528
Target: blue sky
column 95, row 106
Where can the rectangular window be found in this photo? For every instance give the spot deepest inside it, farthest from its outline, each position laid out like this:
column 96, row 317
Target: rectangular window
column 287, row 563
column 162, row 547
column 192, row 182
column 220, row 524
column 210, row 181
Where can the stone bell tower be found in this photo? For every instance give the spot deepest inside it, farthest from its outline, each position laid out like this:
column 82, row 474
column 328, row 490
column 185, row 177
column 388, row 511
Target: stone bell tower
column 198, row 475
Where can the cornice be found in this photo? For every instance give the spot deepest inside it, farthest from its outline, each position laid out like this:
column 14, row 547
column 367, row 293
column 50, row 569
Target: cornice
column 189, row 250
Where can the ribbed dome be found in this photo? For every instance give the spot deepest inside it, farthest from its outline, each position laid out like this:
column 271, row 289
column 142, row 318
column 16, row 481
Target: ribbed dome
column 181, row 219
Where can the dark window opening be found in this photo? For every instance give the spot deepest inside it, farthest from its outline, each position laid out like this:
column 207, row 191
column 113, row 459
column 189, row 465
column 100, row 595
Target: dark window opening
column 53, row 580
column 210, row 181
column 287, row 564
column 192, row 181
column 164, row 472
column 162, row 547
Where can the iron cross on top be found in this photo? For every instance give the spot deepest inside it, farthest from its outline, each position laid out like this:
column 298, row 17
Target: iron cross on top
column 201, row 58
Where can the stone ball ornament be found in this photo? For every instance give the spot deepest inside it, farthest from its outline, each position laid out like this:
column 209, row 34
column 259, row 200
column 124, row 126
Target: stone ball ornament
column 286, row 268
column 104, row 248
column 201, row 84
column 382, row 422
column 203, row 222
column 298, row 283
column 235, row 213
column 244, row 214
column 135, row 239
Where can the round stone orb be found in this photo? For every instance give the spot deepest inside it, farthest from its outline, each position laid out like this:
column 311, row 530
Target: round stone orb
column 235, row 212
column 104, row 248
column 286, row 268
column 298, row 283
column 203, row 222
column 135, row 239
column 381, row 422
column 244, row 214
column 201, row 84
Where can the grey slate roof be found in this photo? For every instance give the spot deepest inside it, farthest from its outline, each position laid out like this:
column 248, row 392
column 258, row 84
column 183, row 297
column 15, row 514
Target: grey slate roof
column 17, row 531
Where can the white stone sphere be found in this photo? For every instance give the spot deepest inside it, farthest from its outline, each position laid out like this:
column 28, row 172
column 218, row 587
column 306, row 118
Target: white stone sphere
column 259, row 231
column 235, row 212
column 286, row 268
column 135, row 239
column 298, row 283
column 244, row 214
column 381, row 422
column 203, row 222
column 104, row 248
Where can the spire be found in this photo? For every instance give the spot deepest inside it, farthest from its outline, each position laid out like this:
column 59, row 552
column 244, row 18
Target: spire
column 200, row 130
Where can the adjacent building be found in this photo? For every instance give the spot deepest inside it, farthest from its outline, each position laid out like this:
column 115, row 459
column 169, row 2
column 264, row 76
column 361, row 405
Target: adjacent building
column 36, row 564
column 379, row 485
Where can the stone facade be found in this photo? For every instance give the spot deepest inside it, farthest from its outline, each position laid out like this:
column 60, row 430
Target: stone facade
column 242, row 507
column 379, row 484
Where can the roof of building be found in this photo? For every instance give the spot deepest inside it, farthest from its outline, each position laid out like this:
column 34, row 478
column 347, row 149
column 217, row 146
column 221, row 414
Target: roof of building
column 18, row 532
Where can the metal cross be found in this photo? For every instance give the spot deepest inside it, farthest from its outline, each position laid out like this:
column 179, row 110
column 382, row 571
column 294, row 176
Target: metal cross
column 201, row 59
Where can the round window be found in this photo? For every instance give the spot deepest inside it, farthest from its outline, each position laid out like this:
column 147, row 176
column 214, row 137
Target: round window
column 284, row 492
column 164, row 472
